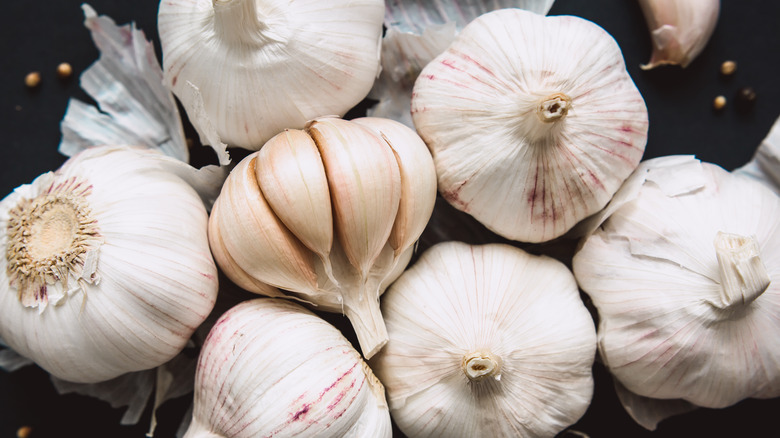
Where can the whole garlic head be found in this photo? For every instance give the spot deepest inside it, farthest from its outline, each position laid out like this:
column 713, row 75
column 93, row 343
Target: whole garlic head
column 279, row 63
column 533, row 121
column 685, row 275
column 106, row 266
column 269, row 367
column 486, row 341
column 330, row 214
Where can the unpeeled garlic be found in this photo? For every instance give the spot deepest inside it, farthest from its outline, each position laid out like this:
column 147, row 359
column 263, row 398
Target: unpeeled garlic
column 679, row 29
column 533, row 121
column 330, row 214
column 106, row 266
column 269, row 368
column 251, row 68
column 486, row 340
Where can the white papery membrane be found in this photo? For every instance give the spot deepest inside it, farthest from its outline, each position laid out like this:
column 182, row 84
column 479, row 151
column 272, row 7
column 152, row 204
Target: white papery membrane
column 765, row 164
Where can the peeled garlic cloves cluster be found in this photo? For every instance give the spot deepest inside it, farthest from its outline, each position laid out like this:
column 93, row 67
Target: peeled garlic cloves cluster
column 329, row 214
column 486, row 340
column 269, row 367
column 106, row 266
column 251, row 68
column 533, row 121
column 679, row 29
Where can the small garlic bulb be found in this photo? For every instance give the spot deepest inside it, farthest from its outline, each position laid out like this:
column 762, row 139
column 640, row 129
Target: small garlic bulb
column 679, row 29
column 269, row 368
column 533, row 121
column 486, row 341
column 106, row 265
column 330, row 214
column 279, row 63
column 685, row 275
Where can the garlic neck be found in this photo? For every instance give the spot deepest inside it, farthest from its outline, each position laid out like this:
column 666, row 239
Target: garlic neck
column 743, row 276
column 479, row 365
column 541, row 116
column 237, row 21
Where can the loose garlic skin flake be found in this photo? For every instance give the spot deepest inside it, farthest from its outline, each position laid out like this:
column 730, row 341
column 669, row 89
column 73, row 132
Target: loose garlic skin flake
column 685, row 274
column 279, row 63
column 106, row 266
column 330, row 214
column 533, row 121
column 269, row 367
column 486, row 341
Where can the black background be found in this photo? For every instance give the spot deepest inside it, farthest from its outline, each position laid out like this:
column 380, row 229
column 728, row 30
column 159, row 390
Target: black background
column 38, row 36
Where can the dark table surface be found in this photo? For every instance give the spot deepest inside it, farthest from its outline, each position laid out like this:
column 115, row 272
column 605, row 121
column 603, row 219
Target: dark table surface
column 682, row 121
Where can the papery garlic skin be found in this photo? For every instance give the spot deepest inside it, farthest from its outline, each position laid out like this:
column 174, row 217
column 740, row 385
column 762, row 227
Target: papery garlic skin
column 269, row 367
column 330, row 214
column 106, row 267
column 685, row 274
column 679, row 29
column 533, row 121
column 486, row 340
column 279, row 63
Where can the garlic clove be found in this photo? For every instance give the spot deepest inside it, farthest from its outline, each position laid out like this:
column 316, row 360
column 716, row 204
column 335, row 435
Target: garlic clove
column 260, row 244
column 679, row 30
column 418, row 179
column 365, row 186
column 292, row 179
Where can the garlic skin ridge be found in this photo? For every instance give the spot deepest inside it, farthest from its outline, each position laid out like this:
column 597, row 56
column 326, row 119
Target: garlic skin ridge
column 486, row 340
column 533, row 122
column 282, row 63
column 106, row 267
column 269, row 367
column 329, row 214
column 679, row 29
column 685, row 276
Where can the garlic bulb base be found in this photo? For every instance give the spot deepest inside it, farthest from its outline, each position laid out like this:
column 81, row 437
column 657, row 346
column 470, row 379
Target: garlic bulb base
column 478, row 366
column 743, row 275
column 553, row 107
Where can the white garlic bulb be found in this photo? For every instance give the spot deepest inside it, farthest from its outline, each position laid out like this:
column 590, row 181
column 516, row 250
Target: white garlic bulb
column 679, row 29
column 251, row 68
column 106, row 265
column 685, row 275
column 330, row 214
column 486, row 340
column 533, row 121
column 269, row 367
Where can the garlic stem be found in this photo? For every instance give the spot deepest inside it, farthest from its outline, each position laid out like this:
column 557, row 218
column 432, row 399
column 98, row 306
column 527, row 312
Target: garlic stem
column 553, row 107
column 237, row 21
column 366, row 319
column 743, row 275
column 479, row 365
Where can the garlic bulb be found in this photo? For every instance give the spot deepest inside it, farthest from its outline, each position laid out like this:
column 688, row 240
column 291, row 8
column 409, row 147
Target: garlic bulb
column 330, row 214
column 533, row 121
column 486, row 340
column 279, row 63
column 271, row 368
column 679, row 29
column 685, row 274
column 106, row 265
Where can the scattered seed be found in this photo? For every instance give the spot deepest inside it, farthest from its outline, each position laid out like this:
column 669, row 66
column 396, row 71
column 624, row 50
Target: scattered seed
column 33, row 79
column 745, row 98
column 719, row 103
column 24, row 432
column 64, row 70
column 728, row 68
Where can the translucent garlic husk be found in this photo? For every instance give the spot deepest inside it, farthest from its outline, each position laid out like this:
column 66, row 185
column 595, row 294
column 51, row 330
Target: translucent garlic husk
column 533, row 121
column 106, row 266
column 269, row 367
column 486, row 340
column 330, row 214
column 280, row 63
column 685, row 274
column 679, row 29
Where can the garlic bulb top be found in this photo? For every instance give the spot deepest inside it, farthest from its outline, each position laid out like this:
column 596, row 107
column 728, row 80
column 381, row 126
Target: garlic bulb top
column 329, row 213
column 685, row 274
column 106, row 265
column 533, row 121
column 271, row 368
column 279, row 63
column 486, row 341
